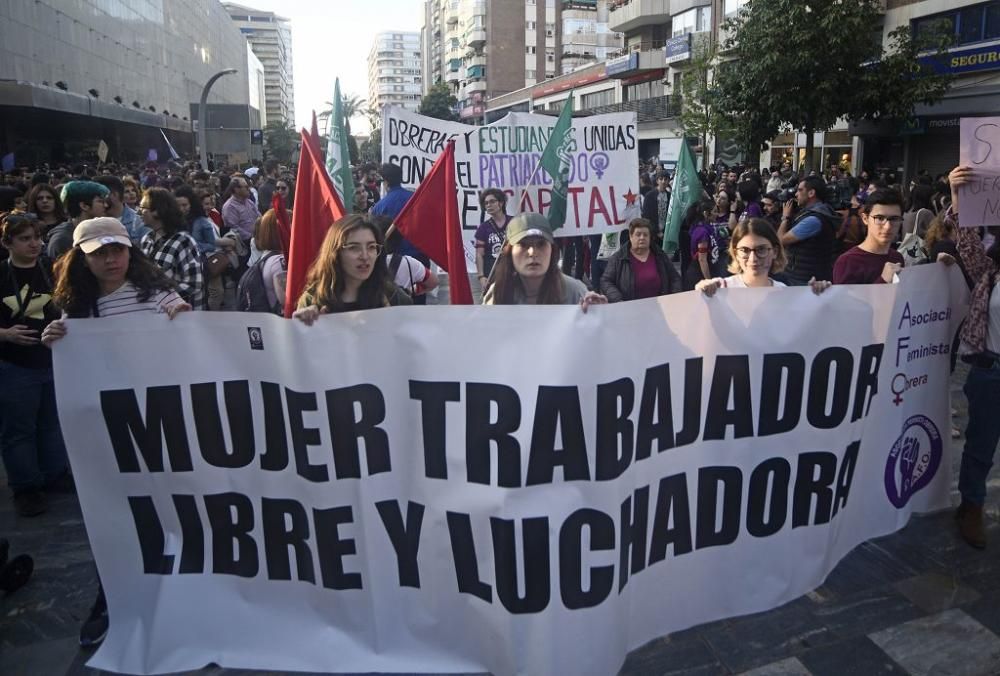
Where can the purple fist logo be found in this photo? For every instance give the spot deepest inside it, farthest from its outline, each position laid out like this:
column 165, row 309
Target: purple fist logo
column 913, row 460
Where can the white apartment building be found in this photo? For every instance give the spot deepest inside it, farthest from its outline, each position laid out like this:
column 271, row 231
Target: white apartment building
column 270, row 38
column 487, row 49
column 394, row 70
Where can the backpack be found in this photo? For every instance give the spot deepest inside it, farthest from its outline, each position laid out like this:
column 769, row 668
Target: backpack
column 394, row 265
column 251, row 295
column 912, row 249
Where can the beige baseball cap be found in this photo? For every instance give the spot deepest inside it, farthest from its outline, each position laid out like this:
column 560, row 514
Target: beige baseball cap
column 94, row 233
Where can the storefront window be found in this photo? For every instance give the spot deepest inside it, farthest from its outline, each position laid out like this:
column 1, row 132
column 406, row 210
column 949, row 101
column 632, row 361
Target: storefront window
column 837, row 155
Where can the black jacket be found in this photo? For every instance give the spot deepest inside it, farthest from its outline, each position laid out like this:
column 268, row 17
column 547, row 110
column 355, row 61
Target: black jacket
column 618, row 280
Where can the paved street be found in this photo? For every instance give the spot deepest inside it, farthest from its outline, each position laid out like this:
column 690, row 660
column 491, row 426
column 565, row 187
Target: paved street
column 919, row 602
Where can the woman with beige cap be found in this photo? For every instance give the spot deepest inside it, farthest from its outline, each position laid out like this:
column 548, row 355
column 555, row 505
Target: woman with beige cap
column 103, row 276
column 527, row 271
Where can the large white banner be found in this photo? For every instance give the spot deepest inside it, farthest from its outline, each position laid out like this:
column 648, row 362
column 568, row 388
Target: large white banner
column 604, row 176
column 503, row 489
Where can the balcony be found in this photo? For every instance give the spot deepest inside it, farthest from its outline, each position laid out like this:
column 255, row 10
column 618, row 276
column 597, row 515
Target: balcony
column 638, row 58
column 475, row 86
column 476, row 38
column 628, row 15
column 452, row 76
column 475, row 60
column 647, row 110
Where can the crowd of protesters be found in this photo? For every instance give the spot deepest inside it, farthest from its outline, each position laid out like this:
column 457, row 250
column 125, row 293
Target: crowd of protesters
column 81, row 242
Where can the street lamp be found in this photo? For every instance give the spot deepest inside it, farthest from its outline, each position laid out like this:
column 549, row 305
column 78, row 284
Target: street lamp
column 201, row 114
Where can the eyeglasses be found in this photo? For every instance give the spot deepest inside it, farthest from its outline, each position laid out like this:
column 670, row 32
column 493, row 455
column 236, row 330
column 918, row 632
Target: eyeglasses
column 760, row 251
column 282, row 188
column 356, row 249
column 882, row 219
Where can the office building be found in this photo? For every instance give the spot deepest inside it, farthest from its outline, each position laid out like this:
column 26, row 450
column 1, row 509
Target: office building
column 270, row 37
column 73, row 74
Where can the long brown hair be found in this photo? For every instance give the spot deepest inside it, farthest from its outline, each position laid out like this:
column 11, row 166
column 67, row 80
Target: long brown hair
column 325, row 280
column 507, row 283
column 59, row 212
column 938, row 230
column 77, row 289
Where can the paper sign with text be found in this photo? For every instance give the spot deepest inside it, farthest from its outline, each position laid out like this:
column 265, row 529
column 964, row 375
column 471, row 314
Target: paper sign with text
column 979, row 200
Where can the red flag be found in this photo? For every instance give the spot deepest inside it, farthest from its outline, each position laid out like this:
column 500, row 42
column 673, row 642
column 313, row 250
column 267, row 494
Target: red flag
column 317, row 206
column 430, row 221
column 314, row 131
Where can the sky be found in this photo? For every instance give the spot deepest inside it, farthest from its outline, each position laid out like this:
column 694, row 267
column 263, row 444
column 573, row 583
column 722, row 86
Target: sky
column 332, row 38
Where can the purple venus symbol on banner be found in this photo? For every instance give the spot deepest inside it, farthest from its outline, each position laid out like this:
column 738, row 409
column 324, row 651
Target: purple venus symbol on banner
column 599, row 163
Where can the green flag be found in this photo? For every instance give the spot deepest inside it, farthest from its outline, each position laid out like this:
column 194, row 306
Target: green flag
column 685, row 191
column 338, row 156
column 556, row 160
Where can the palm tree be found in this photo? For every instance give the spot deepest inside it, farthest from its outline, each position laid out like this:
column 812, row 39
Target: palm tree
column 353, row 105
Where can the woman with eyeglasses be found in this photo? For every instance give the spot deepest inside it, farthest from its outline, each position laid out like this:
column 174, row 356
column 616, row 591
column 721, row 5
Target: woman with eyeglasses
column 492, row 234
column 171, row 246
column 755, row 253
column 349, row 272
column 32, row 444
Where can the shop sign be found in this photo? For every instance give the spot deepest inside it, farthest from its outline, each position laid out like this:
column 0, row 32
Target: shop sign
column 677, row 49
column 966, row 60
column 623, row 64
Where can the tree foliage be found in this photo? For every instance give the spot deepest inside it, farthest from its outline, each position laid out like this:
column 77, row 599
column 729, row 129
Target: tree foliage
column 700, row 113
column 353, row 106
column 439, row 103
column 280, row 141
column 807, row 63
column 371, row 150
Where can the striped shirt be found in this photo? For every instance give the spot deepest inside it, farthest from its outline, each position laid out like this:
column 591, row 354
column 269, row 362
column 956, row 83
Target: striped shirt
column 126, row 301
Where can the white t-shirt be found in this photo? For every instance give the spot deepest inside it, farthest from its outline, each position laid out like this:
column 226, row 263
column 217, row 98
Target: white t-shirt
column 736, row 282
column 410, row 273
column 126, row 301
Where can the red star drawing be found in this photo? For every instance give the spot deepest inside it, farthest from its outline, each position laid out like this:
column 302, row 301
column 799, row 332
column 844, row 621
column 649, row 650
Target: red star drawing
column 630, row 197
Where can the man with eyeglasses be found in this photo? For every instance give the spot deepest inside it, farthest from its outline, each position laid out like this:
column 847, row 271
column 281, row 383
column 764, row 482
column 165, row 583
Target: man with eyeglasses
column 874, row 261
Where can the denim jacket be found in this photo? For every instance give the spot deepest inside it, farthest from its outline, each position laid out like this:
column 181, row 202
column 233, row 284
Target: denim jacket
column 204, row 232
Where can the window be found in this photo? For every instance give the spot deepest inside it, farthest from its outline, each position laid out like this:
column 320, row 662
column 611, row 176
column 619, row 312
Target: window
column 732, row 6
column 529, row 25
column 530, row 49
column 597, row 99
column 695, row 20
column 967, row 25
column 530, row 74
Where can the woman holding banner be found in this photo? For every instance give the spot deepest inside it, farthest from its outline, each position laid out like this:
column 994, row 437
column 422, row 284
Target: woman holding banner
column 349, row 272
column 981, row 350
column 755, row 253
column 102, row 276
column 527, row 270
column 640, row 269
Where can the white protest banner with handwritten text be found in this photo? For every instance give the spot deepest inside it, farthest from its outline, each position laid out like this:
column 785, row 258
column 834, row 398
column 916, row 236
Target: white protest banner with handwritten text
column 979, row 148
column 372, row 494
column 603, row 183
